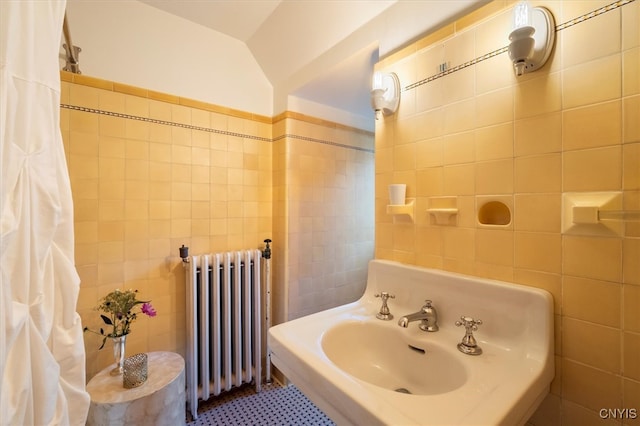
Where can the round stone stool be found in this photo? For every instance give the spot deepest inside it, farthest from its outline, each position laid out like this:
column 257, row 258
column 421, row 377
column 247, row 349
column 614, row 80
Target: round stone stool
column 158, row 401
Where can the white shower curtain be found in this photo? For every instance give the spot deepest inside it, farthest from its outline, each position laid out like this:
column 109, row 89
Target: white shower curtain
column 42, row 359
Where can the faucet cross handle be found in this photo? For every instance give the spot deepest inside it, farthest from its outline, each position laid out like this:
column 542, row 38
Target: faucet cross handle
column 469, row 323
column 469, row 344
column 385, row 295
column 384, row 313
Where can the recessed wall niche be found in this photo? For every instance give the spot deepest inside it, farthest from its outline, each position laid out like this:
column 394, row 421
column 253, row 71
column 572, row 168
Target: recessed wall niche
column 495, row 211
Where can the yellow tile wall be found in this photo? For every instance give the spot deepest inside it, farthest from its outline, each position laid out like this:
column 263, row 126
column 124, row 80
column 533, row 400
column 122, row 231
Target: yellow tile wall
column 570, row 127
column 141, row 189
column 323, row 197
column 215, row 180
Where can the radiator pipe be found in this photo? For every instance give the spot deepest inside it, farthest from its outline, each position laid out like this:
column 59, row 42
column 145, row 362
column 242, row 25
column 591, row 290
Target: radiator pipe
column 266, row 254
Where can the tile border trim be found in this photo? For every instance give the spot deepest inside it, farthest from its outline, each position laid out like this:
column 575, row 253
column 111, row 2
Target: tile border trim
column 163, row 122
column 322, row 141
column 210, row 130
column 97, row 83
column 559, row 27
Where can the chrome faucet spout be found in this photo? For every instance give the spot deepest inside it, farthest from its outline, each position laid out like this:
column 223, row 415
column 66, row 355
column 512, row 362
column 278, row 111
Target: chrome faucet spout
column 427, row 316
column 405, row 320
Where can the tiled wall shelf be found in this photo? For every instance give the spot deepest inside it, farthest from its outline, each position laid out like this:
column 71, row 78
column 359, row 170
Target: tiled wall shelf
column 407, row 209
column 443, row 210
column 443, row 215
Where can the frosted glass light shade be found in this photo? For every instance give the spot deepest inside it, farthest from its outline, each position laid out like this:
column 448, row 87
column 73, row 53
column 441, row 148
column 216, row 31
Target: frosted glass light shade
column 385, row 93
column 532, row 38
column 522, row 15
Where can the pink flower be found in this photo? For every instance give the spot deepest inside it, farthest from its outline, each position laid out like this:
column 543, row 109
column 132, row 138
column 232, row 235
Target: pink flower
column 147, row 309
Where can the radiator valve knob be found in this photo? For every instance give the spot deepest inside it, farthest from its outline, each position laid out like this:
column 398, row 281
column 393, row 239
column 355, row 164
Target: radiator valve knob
column 184, row 253
column 267, row 250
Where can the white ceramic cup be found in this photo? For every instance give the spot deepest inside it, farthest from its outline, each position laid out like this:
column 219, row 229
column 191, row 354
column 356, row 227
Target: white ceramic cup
column 397, row 193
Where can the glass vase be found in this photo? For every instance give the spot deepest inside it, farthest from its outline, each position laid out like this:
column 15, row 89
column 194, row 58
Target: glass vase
column 119, row 344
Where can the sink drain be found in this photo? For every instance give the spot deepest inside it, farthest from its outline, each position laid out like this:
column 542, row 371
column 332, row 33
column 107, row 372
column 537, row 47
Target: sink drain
column 403, row 390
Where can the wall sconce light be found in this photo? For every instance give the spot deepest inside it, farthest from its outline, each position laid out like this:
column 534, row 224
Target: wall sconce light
column 385, row 93
column 532, row 37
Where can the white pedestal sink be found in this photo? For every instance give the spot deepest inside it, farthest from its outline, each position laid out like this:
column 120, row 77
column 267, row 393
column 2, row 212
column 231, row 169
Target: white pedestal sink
column 361, row 370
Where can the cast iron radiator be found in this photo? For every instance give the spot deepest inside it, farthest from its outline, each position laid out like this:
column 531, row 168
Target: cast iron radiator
column 224, row 324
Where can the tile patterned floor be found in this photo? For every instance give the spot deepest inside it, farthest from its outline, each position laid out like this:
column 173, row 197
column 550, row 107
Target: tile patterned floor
column 275, row 405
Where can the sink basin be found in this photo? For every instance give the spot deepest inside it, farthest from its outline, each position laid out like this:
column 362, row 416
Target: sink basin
column 385, row 357
column 362, row 370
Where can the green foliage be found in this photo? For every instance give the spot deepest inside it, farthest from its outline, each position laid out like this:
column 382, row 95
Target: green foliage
column 118, row 313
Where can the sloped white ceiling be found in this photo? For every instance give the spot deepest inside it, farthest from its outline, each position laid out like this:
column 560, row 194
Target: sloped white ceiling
column 239, row 19
column 318, row 49
column 297, row 32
